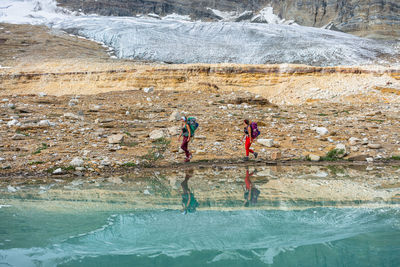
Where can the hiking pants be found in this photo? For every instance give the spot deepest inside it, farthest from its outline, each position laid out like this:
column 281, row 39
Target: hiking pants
column 184, row 146
column 247, row 146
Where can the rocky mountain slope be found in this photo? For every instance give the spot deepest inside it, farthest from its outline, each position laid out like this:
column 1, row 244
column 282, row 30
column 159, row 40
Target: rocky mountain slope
column 367, row 18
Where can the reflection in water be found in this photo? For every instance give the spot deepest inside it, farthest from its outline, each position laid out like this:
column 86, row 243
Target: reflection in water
column 251, row 192
column 189, row 201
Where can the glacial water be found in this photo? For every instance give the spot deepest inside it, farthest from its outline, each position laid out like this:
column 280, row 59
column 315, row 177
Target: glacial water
column 176, row 40
column 148, row 220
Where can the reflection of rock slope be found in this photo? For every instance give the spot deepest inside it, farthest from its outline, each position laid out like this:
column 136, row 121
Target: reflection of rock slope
column 280, row 188
column 379, row 19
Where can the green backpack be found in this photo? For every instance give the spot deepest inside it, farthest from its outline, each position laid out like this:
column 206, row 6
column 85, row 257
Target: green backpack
column 191, row 121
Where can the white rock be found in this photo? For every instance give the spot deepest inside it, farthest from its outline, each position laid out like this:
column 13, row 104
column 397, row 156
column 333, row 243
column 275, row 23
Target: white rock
column 321, row 130
column 354, row 141
column 266, row 142
column 354, row 148
column 175, row 116
column 42, row 94
column 174, row 130
column 73, row 116
column 2, row 159
column 200, row 152
column 44, row 123
column 13, row 123
column 11, row 105
column 341, row 147
column 58, row 171
column 148, row 89
column 369, row 160
column 5, row 100
column 314, row 157
column 156, row 134
column 146, row 192
column 76, row 162
column 115, row 180
column 80, row 168
column 18, row 137
column 374, row 146
column 11, row 189
column 94, row 108
column 115, row 139
column 127, row 113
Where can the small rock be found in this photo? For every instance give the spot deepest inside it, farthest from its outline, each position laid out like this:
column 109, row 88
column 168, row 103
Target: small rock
column 115, row 139
column 94, row 108
column 13, row 122
column 18, row 137
column 2, row 159
column 364, row 141
column 73, row 116
column 80, row 168
column 45, row 123
column 127, row 113
column 374, row 146
column 342, row 147
column 42, row 94
column 370, row 160
column 175, row 116
column 76, row 162
column 321, row 130
column 200, row 152
column 58, row 171
column 314, row 157
column 354, row 148
column 73, row 102
column 148, row 89
column 354, row 141
column 11, row 105
column 156, row 134
column 266, row 142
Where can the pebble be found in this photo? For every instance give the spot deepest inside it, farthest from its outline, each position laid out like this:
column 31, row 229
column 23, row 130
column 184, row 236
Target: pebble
column 13, row 122
column 314, row 157
column 156, row 134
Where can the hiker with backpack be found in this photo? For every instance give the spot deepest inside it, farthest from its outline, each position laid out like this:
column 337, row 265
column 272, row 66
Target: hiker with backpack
column 251, row 132
column 189, row 126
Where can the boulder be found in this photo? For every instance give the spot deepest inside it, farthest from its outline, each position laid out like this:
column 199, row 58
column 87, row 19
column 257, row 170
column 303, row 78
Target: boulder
column 175, row 116
column 58, row 171
column 115, row 139
column 266, row 142
column 13, row 122
column 321, row 130
column 156, row 134
column 341, row 147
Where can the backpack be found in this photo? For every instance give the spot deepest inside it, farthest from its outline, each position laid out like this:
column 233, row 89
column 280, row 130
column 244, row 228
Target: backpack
column 254, row 130
column 192, row 124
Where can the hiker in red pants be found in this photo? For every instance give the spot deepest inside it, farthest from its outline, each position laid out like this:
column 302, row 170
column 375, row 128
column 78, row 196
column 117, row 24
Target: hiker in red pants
column 248, row 133
column 186, row 133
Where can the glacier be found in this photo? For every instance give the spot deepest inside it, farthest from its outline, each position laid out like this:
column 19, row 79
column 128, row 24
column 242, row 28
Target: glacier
column 175, row 39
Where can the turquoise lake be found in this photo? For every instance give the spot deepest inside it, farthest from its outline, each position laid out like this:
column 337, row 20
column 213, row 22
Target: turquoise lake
column 65, row 226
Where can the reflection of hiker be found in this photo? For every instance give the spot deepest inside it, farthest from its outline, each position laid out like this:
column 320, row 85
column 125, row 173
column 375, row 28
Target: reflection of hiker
column 251, row 193
column 189, row 202
column 250, row 132
column 189, row 126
